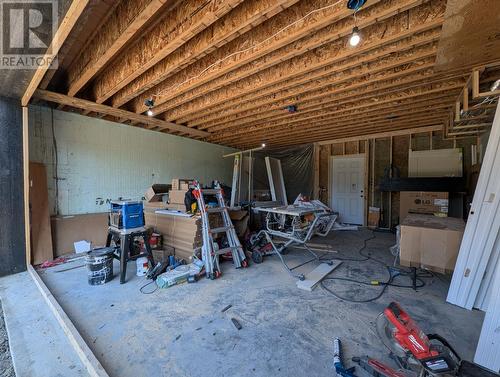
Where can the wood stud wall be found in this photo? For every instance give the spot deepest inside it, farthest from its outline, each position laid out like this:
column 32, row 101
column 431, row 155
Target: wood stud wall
column 379, row 153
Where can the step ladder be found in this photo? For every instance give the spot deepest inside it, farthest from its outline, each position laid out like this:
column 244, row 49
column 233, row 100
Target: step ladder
column 210, row 250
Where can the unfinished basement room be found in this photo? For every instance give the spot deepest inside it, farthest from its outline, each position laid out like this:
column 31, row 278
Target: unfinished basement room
column 209, row 188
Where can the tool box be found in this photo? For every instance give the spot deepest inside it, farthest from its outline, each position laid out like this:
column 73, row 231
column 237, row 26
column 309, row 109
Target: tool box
column 126, row 214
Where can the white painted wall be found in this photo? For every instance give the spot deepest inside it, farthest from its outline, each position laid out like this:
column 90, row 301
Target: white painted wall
column 100, row 160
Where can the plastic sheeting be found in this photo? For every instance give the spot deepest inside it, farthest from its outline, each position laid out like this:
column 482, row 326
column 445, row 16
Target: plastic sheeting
column 297, row 164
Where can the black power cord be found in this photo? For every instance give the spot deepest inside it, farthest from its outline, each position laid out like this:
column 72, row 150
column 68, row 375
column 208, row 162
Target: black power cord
column 384, row 285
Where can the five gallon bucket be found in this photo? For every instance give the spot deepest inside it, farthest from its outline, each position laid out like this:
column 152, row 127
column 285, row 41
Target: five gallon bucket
column 99, row 263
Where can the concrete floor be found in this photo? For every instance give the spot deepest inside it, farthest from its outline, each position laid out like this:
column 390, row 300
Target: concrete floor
column 37, row 342
column 180, row 331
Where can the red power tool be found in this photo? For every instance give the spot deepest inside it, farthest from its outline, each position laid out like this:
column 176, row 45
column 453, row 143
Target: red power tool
column 415, row 351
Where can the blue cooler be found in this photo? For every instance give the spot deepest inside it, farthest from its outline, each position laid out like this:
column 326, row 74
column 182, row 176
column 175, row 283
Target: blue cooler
column 126, row 214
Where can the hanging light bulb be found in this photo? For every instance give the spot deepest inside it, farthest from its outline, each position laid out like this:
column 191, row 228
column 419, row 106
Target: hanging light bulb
column 149, row 102
column 263, row 145
column 355, row 37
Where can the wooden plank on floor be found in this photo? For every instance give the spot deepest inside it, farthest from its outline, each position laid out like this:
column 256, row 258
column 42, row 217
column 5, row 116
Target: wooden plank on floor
column 93, row 365
column 41, row 237
column 315, row 276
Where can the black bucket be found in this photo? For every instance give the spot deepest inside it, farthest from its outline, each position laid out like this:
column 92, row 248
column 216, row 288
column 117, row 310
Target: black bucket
column 99, row 264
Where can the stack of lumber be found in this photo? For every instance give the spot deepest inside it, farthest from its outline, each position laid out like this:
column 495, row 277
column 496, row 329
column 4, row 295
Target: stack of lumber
column 183, row 233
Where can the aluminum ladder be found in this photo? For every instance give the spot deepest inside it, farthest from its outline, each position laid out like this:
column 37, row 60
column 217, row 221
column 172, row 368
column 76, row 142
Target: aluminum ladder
column 210, row 251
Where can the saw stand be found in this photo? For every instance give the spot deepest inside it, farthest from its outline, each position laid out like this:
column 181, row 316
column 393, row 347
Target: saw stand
column 125, row 238
column 296, row 225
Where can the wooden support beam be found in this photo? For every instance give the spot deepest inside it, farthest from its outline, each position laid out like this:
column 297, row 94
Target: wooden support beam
column 241, row 95
column 244, row 17
column 161, row 41
column 92, row 365
column 193, row 83
column 124, row 22
column 108, row 110
column 68, row 22
column 26, row 185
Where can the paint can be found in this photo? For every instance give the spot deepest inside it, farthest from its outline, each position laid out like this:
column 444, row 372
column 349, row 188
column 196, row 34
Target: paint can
column 99, row 264
column 142, row 266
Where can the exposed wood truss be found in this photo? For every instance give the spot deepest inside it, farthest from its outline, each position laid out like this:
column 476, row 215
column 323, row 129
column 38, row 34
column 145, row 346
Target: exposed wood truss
column 224, row 71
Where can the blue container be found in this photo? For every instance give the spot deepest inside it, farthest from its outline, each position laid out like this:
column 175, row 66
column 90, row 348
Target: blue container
column 126, row 214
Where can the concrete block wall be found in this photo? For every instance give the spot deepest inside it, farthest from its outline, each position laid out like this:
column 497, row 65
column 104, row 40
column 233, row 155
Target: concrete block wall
column 99, row 160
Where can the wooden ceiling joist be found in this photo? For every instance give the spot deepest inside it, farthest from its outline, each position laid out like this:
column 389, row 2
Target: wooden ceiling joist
column 382, row 135
column 311, row 62
column 310, row 130
column 118, row 113
column 331, row 25
column 171, row 32
column 392, row 101
column 338, row 95
column 332, row 125
column 241, row 19
column 353, row 103
column 341, row 133
column 224, row 71
column 441, row 107
column 127, row 18
column 351, row 69
column 70, row 19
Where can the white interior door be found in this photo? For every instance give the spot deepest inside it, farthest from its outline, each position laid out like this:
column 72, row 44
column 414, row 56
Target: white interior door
column 347, row 187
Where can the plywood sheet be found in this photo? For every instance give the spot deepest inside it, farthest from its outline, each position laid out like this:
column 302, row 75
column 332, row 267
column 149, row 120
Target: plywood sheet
column 315, row 276
column 471, row 34
column 41, row 237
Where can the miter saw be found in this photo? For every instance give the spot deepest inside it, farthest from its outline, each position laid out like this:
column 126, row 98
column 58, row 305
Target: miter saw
column 417, row 354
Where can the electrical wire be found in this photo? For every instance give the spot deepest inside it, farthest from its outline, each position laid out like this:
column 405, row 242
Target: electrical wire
column 158, row 94
column 55, row 160
column 383, row 284
column 141, row 289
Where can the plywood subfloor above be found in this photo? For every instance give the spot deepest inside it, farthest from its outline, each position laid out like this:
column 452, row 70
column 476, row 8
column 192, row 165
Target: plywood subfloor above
column 470, row 35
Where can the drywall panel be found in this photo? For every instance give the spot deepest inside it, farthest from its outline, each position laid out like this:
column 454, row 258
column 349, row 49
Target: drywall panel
column 435, row 163
column 98, row 160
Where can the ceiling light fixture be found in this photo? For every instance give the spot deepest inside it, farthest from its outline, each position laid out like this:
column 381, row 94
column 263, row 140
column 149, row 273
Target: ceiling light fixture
column 263, row 145
column 355, row 4
column 355, row 37
column 149, row 102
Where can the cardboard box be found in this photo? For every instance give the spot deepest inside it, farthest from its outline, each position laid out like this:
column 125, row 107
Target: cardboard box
column 423, row 202
column 373, row 217
column 176, row 196
column 176, row 207
column 162, row 255
column 430, row 242
column 156, row 192
column 181, row 183
column 66, row 230
column 152, row 206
